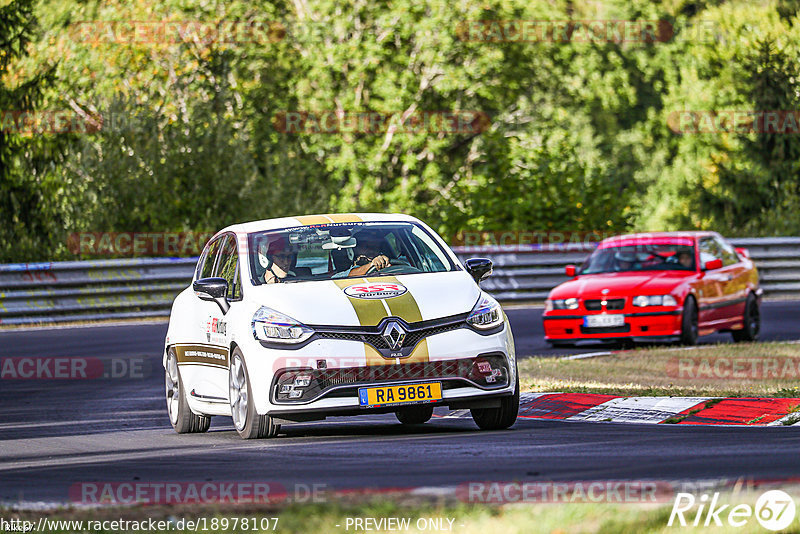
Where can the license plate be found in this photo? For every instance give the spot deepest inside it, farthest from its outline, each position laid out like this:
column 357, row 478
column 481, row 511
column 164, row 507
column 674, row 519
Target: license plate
column 599, row 321
column 400, row 394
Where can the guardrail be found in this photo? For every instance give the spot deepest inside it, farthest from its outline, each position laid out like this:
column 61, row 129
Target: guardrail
column 528, row 273
column 107, row 289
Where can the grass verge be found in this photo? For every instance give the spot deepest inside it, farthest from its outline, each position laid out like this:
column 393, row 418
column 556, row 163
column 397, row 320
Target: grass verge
column 731, row 370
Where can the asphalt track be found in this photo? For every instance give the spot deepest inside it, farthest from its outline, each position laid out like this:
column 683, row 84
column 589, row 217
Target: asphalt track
column 58, row 433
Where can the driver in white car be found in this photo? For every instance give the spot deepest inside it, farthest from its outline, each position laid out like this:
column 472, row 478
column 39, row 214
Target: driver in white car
column 367, row 254
column 277, row 260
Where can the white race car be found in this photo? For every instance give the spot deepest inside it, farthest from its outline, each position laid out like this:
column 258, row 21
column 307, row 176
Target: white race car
column 299, row 318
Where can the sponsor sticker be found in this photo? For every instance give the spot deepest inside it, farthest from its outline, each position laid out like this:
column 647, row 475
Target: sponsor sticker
column 374, row 291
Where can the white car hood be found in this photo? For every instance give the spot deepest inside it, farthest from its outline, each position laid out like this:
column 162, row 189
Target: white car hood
column 428, row 296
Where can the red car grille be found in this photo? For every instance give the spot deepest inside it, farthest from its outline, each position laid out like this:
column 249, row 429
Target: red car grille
column 597, row 304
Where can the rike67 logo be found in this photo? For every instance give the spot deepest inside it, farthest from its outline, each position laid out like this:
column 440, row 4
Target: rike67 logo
column 774, row 510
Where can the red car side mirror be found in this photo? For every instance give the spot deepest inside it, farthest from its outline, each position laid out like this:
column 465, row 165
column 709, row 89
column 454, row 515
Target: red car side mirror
column 743, row 252
column 570, row 270
column 713, row 264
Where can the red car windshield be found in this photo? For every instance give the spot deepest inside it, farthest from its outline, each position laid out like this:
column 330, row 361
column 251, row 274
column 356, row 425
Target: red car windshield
column 640, row 257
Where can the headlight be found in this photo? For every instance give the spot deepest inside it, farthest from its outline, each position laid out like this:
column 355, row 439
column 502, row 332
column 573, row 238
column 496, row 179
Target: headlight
column 486, row 313
column 654, row 300
column 561, row 304
column 270, row 325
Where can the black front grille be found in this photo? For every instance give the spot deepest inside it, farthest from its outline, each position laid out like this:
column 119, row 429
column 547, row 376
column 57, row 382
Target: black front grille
column 375, row 338
column 606, row 329
column 597, row 304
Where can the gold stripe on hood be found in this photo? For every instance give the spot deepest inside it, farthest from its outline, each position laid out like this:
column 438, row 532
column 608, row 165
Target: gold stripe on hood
column 369, row 312
column 313, row 219
column 372, row 312
column 344, row 217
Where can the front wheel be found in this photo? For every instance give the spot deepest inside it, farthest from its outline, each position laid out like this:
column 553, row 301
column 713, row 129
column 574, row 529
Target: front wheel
column 689, row 329
column 751, row 321
column 414, row 415
column 246, row 420
column 183, row 420
column 498, row 418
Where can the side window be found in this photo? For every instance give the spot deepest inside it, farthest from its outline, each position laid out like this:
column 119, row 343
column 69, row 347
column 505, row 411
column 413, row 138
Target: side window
column 709, row 250
column 228, row 266
column 209, row 256
column 729, row 256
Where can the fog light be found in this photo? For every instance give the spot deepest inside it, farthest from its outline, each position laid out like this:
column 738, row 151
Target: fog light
column 302, row 381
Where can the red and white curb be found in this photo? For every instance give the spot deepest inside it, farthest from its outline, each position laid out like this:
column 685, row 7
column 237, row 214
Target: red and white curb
column 656, row 410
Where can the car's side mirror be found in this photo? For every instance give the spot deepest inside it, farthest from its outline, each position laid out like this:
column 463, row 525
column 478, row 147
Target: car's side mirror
column 743, row 252
column 479, row 268
column 713, row 264
column 571, row 270
column 213, row 289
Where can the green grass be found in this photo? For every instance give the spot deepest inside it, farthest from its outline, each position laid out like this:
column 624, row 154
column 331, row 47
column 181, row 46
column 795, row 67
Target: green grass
column 654, row 372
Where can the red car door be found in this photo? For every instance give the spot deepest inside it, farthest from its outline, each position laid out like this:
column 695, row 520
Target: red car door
column 735, row 277
column 712, row 286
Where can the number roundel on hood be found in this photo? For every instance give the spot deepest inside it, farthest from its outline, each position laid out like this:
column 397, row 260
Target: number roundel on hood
column 376, row 290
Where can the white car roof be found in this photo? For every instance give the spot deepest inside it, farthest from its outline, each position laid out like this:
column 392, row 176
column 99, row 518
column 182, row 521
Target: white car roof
column 306, row 220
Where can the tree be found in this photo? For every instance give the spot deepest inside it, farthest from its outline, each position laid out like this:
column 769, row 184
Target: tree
column 29, row 209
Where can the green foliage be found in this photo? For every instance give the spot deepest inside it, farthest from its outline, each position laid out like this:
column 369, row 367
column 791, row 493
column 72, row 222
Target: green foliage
column 578, row 135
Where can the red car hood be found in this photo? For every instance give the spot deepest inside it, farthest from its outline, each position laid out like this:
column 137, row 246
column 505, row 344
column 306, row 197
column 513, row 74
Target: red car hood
column 622, row 284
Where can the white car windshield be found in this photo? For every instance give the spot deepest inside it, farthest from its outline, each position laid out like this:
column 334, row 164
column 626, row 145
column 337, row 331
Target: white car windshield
column 344, row 250
column 644, row 257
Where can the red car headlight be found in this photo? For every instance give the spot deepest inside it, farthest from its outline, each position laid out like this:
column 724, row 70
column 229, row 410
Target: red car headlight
column 654, row 300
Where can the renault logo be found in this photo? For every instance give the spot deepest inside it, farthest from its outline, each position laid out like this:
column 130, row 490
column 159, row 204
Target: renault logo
column 394, row 334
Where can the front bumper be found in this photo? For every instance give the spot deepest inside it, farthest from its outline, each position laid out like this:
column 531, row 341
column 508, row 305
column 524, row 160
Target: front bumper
column 450, row 360
column 486, row 372
column 658, row 325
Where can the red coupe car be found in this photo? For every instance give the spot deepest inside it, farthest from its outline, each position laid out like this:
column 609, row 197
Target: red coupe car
column 666, row 286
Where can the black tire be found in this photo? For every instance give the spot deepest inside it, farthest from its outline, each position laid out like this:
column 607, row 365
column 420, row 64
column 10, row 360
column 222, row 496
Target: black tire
column 183, row 420
column 751, row 320
column 498, row 418
column 414, row 415
column 689, row 328
column 254, row 426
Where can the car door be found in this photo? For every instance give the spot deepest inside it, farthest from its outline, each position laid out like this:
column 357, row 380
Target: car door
column 734, row 283
column 203, row 359
column 711, row 287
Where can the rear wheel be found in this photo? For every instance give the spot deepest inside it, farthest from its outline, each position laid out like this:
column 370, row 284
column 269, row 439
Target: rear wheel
column 751, row 320
column 183, row 420
column 501, row 417
column 246, row 420
column 689, row 329
column 414, row 415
